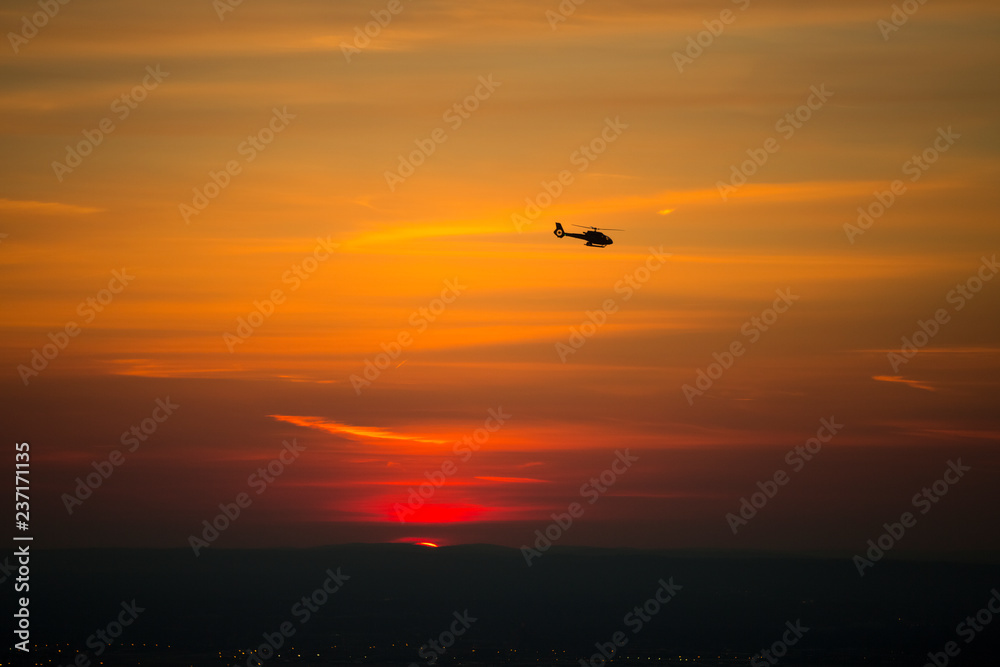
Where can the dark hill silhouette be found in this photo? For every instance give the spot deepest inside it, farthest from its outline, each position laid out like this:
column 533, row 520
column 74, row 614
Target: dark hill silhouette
column 730, row 605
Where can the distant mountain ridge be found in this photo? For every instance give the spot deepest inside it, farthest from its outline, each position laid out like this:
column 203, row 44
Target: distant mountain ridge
column 394, row 597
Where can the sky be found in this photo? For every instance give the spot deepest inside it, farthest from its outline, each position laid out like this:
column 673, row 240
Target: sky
column 253, row 228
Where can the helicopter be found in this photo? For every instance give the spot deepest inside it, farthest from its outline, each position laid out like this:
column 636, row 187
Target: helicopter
column 594, row 237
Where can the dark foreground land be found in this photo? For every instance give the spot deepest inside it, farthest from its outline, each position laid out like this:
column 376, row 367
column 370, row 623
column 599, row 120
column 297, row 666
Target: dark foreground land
column 483, row 605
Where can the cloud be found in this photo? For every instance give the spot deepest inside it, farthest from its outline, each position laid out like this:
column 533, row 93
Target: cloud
column 991, row 435
column 354, row 432
column 45, row 208
column 916, row 384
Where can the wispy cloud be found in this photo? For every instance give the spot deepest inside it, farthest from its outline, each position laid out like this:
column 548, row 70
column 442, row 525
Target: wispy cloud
column 916, row 384
column 354, row 432
column 45, row 208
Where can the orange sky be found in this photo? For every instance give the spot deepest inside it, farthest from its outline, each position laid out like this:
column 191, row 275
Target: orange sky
column 343, row 261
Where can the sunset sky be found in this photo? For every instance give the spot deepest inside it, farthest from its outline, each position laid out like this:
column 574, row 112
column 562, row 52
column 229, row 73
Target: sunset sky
column 614, row 117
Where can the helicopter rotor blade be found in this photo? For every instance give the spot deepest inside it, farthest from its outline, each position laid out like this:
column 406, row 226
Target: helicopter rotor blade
column 596, row 229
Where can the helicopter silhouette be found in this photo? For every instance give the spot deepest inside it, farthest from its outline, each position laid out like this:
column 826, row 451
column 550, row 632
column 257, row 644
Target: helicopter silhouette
column 594, row 237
